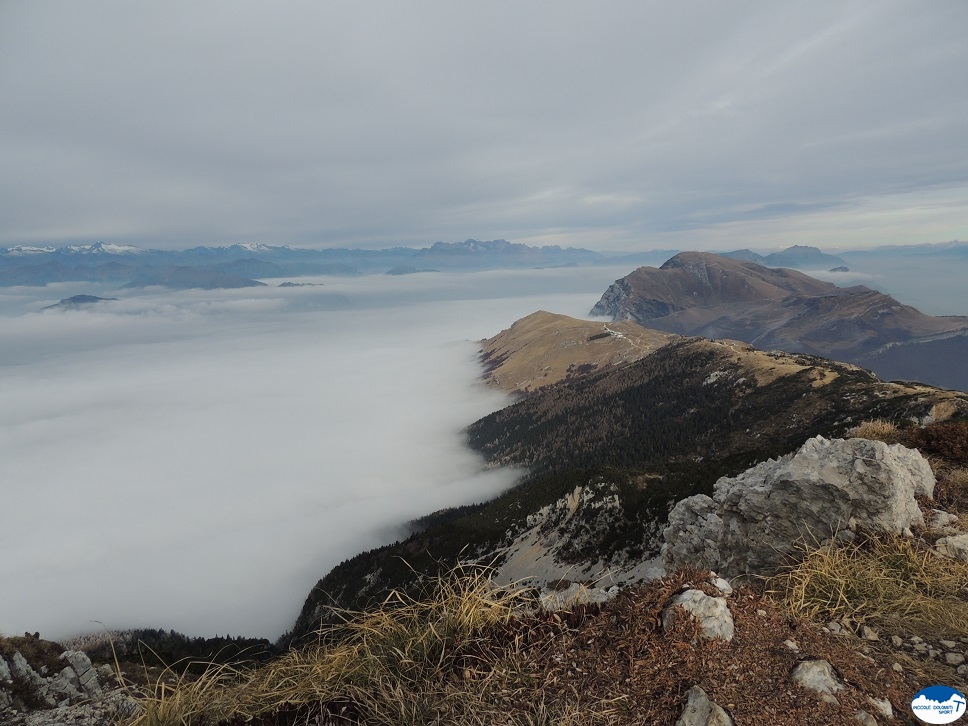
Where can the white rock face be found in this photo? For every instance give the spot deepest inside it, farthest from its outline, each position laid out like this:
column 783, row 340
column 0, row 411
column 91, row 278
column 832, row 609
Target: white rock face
column 754, row 521
column 711, row 612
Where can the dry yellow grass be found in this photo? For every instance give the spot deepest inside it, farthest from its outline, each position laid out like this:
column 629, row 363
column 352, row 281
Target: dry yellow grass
column 409, row 662
column 876, row 430
column 887, row 581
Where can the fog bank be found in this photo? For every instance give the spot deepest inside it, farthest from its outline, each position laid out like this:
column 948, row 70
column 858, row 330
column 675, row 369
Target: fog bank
column 197, row 460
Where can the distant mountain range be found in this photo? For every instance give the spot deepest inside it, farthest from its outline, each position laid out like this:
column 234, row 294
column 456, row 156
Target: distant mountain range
column 714, row 296
column 215, row 266
column 239, row 265
column 797, row 257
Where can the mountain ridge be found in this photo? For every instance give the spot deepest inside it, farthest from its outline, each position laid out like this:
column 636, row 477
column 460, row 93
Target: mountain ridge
column 699, row 293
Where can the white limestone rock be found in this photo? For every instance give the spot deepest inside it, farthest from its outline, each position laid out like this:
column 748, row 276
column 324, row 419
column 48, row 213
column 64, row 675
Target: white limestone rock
column 700, row 710
column 819, row 676
column 21, row 671
column 86, row 675
column 754, row 521
column 955, row 547
column 711, row 612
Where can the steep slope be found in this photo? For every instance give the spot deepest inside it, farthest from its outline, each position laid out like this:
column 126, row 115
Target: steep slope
column 694, row 400
column 700, row 280
column 698, row 293
column 544, row 348
column 611, row 452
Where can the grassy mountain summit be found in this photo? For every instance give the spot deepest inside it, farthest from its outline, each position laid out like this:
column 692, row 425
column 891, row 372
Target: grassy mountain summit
column 544, row 348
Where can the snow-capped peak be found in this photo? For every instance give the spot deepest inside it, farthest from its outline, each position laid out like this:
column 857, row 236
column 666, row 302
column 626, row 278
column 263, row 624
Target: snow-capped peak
column 27, row 250
column 103, row 248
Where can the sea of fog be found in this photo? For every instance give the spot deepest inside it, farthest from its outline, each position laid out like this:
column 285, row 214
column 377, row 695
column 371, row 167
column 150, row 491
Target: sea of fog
column 197, row 460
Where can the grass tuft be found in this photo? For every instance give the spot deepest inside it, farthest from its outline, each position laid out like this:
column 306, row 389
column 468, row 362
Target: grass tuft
column 876, row 430
column 455, row 657
column 887, row 581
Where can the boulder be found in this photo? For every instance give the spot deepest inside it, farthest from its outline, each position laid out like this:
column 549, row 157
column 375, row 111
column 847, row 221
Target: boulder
column 86, row 675
column 819, row 676
column 955, row 547
column 711, row 612
column 64, row 686
column 700, row 710
column 755, row 521
column 21, row 671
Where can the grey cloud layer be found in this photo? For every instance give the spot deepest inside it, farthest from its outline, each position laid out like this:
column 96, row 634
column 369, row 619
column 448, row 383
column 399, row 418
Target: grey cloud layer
column 633, row 124
column 198, row 460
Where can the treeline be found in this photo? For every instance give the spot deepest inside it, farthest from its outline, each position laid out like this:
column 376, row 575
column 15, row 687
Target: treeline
column 685, row 402
column 160, row 647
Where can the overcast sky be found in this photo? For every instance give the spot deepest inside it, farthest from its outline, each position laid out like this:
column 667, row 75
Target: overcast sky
column 622, row 125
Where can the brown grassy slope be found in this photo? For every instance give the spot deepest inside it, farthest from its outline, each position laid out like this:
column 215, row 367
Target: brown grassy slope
column 608, row 665
column 544, row 348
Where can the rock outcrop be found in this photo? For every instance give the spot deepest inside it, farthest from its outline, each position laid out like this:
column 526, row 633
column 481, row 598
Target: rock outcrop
column 757, row 520
column 74, row 694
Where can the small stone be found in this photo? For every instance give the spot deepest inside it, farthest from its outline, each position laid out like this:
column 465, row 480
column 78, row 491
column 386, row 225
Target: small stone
column 819, row 676
column 963, row 670
column 865, row 718
column 948, row 644
column 915, row 639
column 700, row 710
column 792, row 645
column 761, row 613
column 954, row 659
column 882, row 706
column 932, row 653
column 920, row 648
column 868, row 633
column 954, row 547
column 834, row 627
column 896, row 641
column 721, row 585
column 897, row 668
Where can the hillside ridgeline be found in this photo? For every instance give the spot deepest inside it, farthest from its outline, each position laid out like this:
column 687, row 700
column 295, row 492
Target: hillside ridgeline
column 702, row 294
column 610, row 452
column 544, row 348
